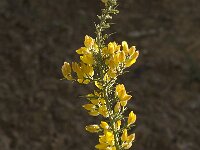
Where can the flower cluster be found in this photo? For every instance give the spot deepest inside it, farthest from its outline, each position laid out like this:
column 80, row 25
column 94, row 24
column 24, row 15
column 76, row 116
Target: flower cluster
column 113, row 60
column 100, row 64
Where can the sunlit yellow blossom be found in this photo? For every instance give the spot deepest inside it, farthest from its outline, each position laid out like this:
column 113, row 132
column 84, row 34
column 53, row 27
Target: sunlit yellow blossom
column 127, row 140
column 123, row 103
column 124, row 135
column 103, row 110
column 125, row 47
column 131, row 118
column 132, row 59
column 77, row 68
column 132, row 50
column 87, row 70
column 94, row 112
column 89, row 41
column 122, row 56
column 104, row 125
column 87, row 58
column 111, row 48
column 89, row 106
column 128, row 143
column 107, row 138
column 82, row 50
column 66, row 71
column 92, row 128
column 112, row 63
column 121, row 93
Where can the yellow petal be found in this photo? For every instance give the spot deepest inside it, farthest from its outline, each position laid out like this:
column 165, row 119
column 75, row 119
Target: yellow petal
column 89, row 41
column 82, row 50
column 132, row 50
column 131, row 138
column 132, row 60
column 66, row 71
column 122, row 56
column 94, row 113
column 111, row 48
column 125, row 97
column 131, row 118
column 125, row 47
column 124, row 135
column 89, row 106
column 117, row 107
column 92, row 128
column 104, row 125
column 123, row 103
column 101, row 146
column 87, row 58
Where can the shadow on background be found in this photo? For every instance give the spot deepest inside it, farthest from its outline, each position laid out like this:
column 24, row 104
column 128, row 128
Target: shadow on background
column 38, row 111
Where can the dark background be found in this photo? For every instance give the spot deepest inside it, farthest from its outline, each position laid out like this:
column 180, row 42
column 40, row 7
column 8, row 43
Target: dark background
column 40, row 112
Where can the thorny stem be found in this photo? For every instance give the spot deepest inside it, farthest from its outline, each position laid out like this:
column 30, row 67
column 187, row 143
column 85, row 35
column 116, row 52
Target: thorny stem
column 109, row 9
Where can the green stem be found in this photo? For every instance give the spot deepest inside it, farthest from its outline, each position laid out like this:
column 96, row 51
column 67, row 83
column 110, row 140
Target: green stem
column 109, row 9
column 112, row 120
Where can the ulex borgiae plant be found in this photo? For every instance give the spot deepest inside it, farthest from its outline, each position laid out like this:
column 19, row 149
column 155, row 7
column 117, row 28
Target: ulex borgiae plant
column 101, row 64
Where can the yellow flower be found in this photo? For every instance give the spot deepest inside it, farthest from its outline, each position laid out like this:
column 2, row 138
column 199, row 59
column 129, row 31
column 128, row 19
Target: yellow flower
column 77, row 68
column 101, row 146
column 132, row 50
column 104, row 125
column 87, row 70
column 92, row 128
column 94, row 113
column 88, row 59
column 103, row 110
column 124, row 135
column 127, row 140
column 121, row 93
column 132, row 59
column 66, row 71
column 125, row 47
column 89, row 106
column 89, row 41
column 82, row 50
column 131, row 138
column 111, row 48
column 123, row 103
column 122, row 56
column 131, row 118
column 107, row 138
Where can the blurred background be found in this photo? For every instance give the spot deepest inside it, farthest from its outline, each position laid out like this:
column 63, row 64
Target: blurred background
column 40, row 112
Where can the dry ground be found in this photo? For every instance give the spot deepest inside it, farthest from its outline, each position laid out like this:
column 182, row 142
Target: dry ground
column 40, row 112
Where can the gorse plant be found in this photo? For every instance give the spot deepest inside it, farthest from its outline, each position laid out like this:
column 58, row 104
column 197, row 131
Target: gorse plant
column 101, row 64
